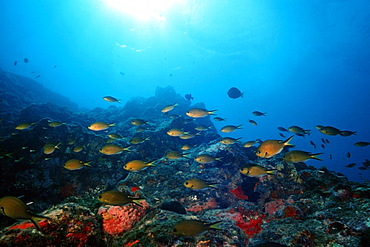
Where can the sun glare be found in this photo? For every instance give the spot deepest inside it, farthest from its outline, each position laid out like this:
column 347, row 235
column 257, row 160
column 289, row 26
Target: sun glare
column 142, row 9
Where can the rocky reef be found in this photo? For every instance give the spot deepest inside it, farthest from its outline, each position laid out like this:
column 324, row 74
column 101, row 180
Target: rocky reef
column 297, row 206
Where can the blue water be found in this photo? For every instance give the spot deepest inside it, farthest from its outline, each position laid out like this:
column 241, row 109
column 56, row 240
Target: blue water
column 304, row 62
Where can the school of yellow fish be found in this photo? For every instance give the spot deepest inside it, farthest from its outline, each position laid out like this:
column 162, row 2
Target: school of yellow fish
column 14, row 208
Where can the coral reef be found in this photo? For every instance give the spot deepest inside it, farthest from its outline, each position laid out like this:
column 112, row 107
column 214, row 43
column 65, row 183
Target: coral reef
column 298, row 206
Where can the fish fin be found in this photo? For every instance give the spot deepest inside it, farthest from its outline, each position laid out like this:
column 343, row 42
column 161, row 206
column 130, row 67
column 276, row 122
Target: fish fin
column 271, row 172
column 35, row 220
column 286, row 142
column 213, row 185
column 87, row 163
column 215, row 225
column 212, row 112
column 313, row 156
column 137, row 201
column 150, row 163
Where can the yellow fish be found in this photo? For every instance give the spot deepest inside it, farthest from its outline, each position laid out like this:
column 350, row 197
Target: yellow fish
column 198, row 184
column 169, row 107
column 249, row 144
column 175, row 155
column 258, row 113
column 72, row 141
column 14, row 208
column 189, row 228
column 75, row 164
column 198, row 112
column 202, row 127
column 110, row 140
column 296, row 156
column 347, row 133
column 137, row 165
column 49, row 148
column 252, row 122
column 111, row 149
column 229, row 140
column 255, row 171
column 114, row 136
column 176, row 132
column 187, row 147
column 206, row 158
column 118, row 198
column 362, row 144
column 230, row 128
column 78, row 149
column 111, row 99
column 140, row 129
column 269, row 148
column 138, row 140
column 24, row 126
column 55, row 124
column 329, row 130
column 97, row 126
column 218, row 119
column 187, row 136
column 138, row 122
column 298, row 130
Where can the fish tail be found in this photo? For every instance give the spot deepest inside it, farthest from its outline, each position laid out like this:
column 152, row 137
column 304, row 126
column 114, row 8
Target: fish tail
column 238, row 127
column 219, row 158
column 57, row 146
column 137, row 201
column 286, row 142
column 271, row 172
column 150, row 163
column 35, row 220
column 112, row 125
column 313, row 156
column 242, row 94
column 215, row 225
column 212, row 112
column 213, row 185
column 87, row 163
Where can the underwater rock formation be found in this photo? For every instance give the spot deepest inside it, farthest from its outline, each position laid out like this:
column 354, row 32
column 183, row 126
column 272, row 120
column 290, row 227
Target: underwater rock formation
column 18, row 92
column 298, row 205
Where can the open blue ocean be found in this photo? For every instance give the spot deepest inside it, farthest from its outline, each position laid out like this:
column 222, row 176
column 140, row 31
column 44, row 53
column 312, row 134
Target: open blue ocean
column 273, row 69
column 304, row 63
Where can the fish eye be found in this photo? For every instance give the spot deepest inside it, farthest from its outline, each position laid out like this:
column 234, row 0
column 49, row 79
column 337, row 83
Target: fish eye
column 186, row 183
column 99, row 197
column 258, row 152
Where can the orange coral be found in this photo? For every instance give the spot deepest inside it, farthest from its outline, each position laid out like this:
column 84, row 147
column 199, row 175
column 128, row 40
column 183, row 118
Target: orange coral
column 119, row 219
